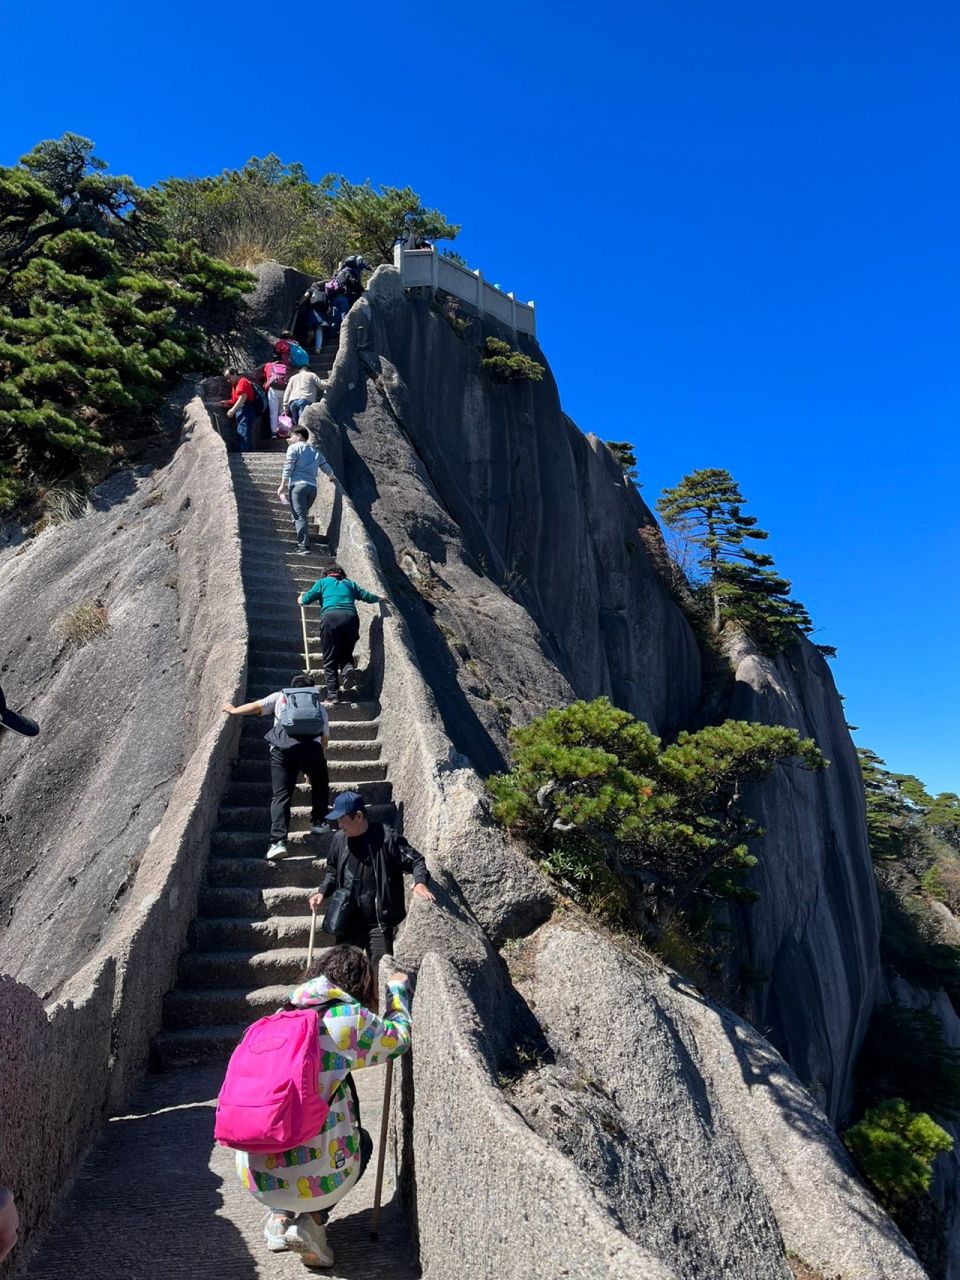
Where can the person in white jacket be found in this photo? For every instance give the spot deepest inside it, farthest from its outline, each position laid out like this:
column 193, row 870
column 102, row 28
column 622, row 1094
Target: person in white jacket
column 302, row 1185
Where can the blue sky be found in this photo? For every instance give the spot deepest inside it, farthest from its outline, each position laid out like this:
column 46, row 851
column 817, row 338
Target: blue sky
column 739, row 225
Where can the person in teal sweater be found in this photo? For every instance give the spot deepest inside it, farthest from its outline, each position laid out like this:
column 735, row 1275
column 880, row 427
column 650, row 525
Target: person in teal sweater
column 339, row 624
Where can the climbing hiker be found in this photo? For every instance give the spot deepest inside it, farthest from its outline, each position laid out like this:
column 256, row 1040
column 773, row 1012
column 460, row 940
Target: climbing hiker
column 19, row 724
column 352, row 279
column 301, row 1185
column 276, row 375
column 10, row 1219
column 347, row 285
column 241, row 407
column 339, row 624
column 298, row 739
column 304, row 387
column 299, row 483
column 282, row 346
column 314, row 315
column 364, row 879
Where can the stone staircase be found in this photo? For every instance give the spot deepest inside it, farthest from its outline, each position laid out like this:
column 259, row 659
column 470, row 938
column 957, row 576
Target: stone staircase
column 188, row 1215
column 248, row 944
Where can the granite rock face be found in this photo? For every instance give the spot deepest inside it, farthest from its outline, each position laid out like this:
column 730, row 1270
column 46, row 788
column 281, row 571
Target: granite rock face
column 814, row 932
column 509, row 539
column 724, row 1161
column 528, row 573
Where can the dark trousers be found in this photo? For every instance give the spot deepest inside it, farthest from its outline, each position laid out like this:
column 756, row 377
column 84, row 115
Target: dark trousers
column 339, row 632
column 376, row 942
column 285, row 767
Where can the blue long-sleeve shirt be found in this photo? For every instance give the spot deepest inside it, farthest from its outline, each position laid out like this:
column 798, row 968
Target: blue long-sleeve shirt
column 338, row 593
column 302, row 462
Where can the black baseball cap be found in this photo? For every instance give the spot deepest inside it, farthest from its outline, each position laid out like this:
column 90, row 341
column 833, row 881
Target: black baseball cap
column 345, row 803
column 19, row 724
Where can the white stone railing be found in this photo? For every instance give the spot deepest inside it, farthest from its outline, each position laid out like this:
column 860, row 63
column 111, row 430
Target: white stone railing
column 430, row 269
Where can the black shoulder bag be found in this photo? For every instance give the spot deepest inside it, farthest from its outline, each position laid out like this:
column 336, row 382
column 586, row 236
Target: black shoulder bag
column 339, row 913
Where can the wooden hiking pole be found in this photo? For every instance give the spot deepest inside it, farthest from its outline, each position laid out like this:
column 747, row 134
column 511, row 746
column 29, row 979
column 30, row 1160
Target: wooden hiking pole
column 384, row 1121
column 306, row 646
column 313, row 934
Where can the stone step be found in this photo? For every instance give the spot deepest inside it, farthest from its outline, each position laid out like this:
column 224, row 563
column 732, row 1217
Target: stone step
column 260, row 539
column 342, row 727
column 342, row 772
column 257, row 792
column 188, row 1046
column 295, row 578
column 253, row 841
column 267, row 657
column 338, row 713
column 214, row 970
column 260, row 936
column 256, row 817
column 254, row 757
column 292, row 875
column 252, row 902
column 241, row 1005
column 278, row 676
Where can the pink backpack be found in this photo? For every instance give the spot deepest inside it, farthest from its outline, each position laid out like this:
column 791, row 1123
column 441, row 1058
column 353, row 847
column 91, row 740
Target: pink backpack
column 270, row 1100
column 275, row 375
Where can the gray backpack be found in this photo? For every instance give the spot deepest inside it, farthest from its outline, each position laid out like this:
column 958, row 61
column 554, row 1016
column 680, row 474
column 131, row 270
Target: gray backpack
column 303, row 716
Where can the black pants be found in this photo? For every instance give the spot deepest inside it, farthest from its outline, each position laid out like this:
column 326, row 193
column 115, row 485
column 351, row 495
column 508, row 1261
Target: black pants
column 377, row 942
column 339, row 632
column 285, row 768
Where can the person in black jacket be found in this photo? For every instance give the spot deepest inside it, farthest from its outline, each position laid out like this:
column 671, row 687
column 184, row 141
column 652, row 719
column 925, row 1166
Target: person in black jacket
column 369, row 858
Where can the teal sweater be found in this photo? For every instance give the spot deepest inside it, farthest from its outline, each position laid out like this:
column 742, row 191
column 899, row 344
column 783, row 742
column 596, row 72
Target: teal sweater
column 337, row 593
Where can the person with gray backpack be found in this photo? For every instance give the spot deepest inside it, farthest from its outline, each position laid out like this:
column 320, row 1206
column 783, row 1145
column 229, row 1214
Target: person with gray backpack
column 298, row 740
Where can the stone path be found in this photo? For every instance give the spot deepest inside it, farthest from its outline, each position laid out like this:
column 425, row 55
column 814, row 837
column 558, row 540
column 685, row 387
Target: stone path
column 156, row 1200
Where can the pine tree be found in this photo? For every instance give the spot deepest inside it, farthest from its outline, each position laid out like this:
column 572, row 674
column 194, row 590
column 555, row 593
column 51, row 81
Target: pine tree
column 706, row 508
column 99, row 312
column 626, row 457
column 591, row 787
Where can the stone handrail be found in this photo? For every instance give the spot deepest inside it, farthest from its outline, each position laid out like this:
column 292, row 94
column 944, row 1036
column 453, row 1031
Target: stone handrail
column 428, row 268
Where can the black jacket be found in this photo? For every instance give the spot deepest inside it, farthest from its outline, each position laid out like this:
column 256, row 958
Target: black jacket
column 392, row 856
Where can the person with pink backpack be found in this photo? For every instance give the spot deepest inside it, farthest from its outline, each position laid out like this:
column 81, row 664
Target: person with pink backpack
column 275, row 376
column 289, row 1105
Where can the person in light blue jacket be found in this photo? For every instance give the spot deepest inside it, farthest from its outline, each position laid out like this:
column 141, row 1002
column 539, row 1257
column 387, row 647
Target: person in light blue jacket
column 299, row 483
column 339, row 624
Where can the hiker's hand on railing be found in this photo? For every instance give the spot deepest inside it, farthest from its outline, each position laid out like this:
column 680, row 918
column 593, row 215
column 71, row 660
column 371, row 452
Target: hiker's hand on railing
column 300, row 597
column 400, row 977
column 315, row 901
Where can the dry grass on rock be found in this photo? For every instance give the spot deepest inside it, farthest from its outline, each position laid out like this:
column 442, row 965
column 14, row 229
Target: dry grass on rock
column 85, row 623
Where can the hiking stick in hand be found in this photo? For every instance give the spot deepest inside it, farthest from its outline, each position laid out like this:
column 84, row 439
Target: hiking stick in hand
column 313, row 934
column 384, row 1121
column 306, row 646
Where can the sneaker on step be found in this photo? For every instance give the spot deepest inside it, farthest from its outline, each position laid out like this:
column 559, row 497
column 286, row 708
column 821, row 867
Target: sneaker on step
column 318, row 828
column 309, row 1240
column 277, row 850
column 331, row 699
column 273, row 1230
column 302, row 551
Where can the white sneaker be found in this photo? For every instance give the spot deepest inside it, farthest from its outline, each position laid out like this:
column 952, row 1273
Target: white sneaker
column 277, row 850
column 309, row 1240
column 273, row 1231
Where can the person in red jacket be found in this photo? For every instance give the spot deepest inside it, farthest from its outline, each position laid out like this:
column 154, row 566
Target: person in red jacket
column 241, row 407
